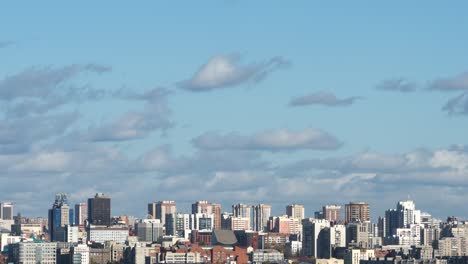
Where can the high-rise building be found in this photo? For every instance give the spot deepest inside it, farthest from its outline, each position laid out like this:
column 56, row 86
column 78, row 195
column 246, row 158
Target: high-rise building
column 178, row 224
column 332, row 213
column 81, row 214
column 357, row 234
column 204, row 207
column 149, row 230
column 314, row 231
column 202, row 222
column 238, row 223
column 285, row 225
column 381, row 227
column 242, row 210
column 296, row 211
column 6, row 210
column 262, row 213
column 99, row 210
column 357, row 212
column 391, row 222
column 159, row 210
column 407, row 214
column 60, row 216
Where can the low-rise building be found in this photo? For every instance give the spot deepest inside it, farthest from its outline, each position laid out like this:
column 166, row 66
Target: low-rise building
column 32, row 253
column 266, row 256
column 101, row 234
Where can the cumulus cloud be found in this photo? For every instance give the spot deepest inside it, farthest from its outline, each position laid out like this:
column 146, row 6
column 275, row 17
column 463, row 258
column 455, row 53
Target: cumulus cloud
column 134, row 124
column 223, row 71
column 397, row 85
column 270, row 140
column 245, row 175
column 322, row 98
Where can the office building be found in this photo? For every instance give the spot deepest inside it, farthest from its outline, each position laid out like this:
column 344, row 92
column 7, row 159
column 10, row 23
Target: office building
column 357, row 234
column 357, row 212
column 81, row 214
column 391, row 222
column 332, row 213
column 204, row 207
column 295, row 211
column 407, row 214
column 284, row 225
column 80, row 254
column 237, row 223
column 262, row 213
column 202, row 222
column 149, row 230
column 159, row 210
column 60, row 216
column 242, row 211
column 312, row 229
column 101, row 234
column 178, row 224
column 99, row 210
column 31, row 253
column 6, row 211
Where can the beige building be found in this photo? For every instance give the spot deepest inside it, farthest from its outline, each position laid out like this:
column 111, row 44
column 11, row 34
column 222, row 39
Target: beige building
column 295, row 211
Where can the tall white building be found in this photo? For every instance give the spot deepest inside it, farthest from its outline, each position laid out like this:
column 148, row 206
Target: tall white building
column 312, row 229
column 407, row 214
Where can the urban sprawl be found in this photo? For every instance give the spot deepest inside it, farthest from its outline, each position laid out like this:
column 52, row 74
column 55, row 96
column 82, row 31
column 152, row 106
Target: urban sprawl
column 88, row 233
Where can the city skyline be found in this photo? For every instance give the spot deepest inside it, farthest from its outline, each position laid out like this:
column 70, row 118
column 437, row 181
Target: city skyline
column 235, row 102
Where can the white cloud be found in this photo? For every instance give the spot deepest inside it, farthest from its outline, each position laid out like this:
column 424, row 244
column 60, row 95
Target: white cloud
column 225, row 71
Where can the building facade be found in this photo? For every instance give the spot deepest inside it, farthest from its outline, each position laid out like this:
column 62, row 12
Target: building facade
column 357, row 212
column 99, row 210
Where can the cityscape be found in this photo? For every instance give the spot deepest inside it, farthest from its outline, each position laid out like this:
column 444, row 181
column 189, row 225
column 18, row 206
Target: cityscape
column 88, row 232
column 234, row 132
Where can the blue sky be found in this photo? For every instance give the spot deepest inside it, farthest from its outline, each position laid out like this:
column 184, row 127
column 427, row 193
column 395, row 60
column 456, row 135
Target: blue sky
column 223, row 75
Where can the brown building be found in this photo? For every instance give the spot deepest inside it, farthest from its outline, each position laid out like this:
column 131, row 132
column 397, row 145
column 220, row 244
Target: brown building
column 220, row 254
column 357, row 212
column 202, row 238
column 332, row 213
